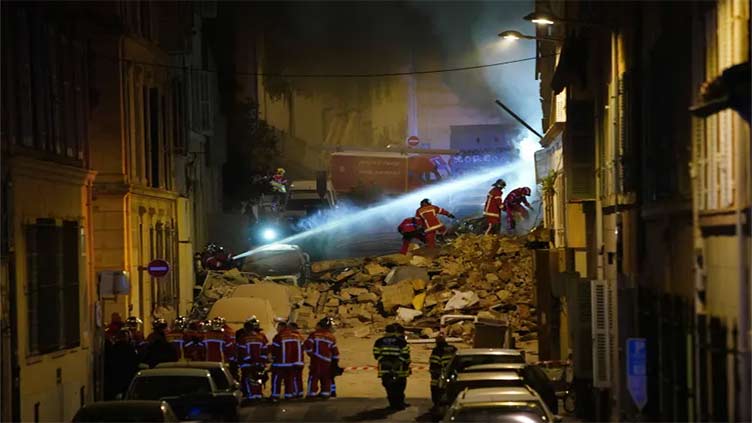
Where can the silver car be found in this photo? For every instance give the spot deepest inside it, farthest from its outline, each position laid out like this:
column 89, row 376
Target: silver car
column 509, row 405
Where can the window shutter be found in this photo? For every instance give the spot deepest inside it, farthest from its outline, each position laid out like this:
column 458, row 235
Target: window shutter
column 601, row 328
column 579, row 150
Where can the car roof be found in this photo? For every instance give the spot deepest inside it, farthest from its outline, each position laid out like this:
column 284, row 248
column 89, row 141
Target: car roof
column 497, row 375
column 488, row 351
column 495, row 366
column 117, row 405
column 191, row 364
column 485, row 395
column 174, row 371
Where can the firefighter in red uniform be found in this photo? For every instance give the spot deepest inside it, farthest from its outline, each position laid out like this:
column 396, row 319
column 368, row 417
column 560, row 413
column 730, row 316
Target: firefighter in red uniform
column 251, row 344
column 429, row 216
column 215, row 339
column 410, row 229
column 298, row 368
column 493, row 207
column 176, row 335
column 112, row 333
column 133, row 325
column 230, row 349
column 287, row 352
column 194, row 348
column 513, row 204
column 321, row 347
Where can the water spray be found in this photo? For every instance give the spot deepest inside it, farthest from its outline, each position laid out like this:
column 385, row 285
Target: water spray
column 352, row 222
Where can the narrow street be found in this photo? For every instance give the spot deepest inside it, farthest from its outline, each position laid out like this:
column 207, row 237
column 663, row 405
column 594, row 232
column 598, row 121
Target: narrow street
column 350, row 409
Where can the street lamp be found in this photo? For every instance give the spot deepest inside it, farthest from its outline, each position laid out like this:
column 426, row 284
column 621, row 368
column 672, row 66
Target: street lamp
column 516, row 35
column 541, row 18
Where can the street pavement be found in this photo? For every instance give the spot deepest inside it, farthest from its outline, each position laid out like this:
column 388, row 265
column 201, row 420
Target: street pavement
column 337, row 410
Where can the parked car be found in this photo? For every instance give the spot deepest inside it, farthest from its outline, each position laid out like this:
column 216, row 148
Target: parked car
column 476, row 356
column 126, row 411
column 490, row 379
column 514, row 405
column 220, row 373
column 532, row 375
column 191, row 393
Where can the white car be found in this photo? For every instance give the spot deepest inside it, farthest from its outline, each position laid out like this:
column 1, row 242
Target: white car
column 219, row 372
column 510, row 405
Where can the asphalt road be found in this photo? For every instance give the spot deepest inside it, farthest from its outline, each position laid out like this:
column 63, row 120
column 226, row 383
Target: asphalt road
column 337, row 410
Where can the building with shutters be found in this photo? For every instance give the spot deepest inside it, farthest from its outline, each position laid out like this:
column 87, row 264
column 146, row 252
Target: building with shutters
column 656, row 242
column 47, row 273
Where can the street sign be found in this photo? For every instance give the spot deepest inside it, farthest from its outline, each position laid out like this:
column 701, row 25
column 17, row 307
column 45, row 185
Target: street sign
column 158, row 268
column 413, row 141
column 637, row 366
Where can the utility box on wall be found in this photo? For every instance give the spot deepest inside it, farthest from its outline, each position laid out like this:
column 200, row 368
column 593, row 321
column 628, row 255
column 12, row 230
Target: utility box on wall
column 113, row 283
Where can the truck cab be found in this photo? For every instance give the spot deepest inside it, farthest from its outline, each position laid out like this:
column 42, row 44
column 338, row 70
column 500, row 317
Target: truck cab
column 304, row 199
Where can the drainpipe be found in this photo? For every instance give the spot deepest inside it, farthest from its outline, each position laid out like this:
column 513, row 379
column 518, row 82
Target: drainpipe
column 742, row 187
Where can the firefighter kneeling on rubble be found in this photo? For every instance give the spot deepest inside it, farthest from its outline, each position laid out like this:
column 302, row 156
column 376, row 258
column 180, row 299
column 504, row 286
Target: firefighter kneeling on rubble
column 393, row 356
column 441, row 355
column 429, row 216
column 410, row 229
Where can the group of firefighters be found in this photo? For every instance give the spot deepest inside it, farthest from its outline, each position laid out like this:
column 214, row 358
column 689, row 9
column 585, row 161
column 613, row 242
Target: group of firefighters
column 425, row 226
column 247, row 353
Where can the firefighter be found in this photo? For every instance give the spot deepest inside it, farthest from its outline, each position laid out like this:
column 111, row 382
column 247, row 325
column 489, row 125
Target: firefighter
column 493, row 207
column 286, row 351
column 251, row 344
column 176, row 334
column 194, row 348
column 214, row 339
column 429, row 217
column 410, row 229
column 513, row 204
column 159, row 349
column 133, row 326
column 441, row 355
column 393, row 356
column 321, row 347
column 298, row 369
column 113, row 328
column 121, row 363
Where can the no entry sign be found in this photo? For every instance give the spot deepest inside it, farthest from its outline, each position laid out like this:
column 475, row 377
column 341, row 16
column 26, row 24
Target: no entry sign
column 413, row 141
column 158, row 268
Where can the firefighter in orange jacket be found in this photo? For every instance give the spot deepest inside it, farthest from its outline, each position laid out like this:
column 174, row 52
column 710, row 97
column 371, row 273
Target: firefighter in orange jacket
column 214, row 339
column 321, row 347
column 287, row 352
column 493, row 207
column 176, row 335
column 298, row 368
column 429, row 215
column 410, row 229
column 251, row 344
column 194, row 348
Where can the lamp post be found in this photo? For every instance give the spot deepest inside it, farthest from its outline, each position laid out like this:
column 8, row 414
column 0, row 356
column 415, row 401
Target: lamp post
column 546, row 19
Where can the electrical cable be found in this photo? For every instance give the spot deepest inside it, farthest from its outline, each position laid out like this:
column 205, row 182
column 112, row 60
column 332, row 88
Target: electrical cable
column 331, row 75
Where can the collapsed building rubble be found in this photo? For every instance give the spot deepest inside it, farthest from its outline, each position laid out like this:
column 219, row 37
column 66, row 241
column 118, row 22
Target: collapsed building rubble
column 474, row 274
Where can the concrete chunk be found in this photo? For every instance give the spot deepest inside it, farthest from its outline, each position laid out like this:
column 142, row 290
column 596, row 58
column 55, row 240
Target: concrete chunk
column 400, row 294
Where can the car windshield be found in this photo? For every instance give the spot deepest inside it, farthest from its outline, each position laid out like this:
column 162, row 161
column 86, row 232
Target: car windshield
column 461, row 362
column 219, row 377
column 517, row 413
column 158, row 387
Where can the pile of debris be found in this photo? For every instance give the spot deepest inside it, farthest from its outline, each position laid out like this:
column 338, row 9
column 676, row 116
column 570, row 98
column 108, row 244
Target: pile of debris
column 481, row 275
column 219, row 284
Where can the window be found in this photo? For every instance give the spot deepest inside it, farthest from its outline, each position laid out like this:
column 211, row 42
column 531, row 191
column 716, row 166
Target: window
column 52, row 289
column 726, row 38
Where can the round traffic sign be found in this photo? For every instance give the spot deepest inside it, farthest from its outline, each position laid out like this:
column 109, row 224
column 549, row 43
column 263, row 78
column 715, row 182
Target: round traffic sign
column 413, row 141
column 158, row 268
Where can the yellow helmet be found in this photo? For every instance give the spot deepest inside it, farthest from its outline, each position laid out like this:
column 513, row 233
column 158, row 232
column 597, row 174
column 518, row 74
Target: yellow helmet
column 281, row 170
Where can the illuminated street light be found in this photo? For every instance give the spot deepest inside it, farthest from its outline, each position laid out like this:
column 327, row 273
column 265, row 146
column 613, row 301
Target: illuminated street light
column 516, row 35
column 541, row 18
